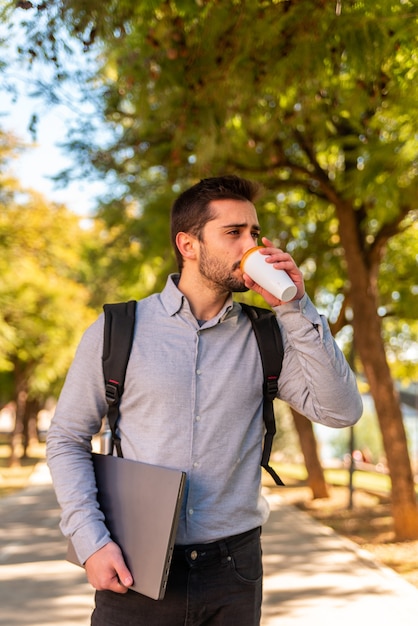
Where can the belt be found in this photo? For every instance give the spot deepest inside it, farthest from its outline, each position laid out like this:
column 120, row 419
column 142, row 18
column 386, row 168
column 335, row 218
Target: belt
column 216, row 551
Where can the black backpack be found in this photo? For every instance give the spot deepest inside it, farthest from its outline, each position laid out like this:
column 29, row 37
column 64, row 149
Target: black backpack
column 118, row 337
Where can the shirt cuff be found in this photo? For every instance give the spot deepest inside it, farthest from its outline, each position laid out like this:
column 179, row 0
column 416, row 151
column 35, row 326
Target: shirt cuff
column 88, row 540
column 304, row 306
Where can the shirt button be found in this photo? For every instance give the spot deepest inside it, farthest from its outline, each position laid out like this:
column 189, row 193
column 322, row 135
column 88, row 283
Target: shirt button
column 191, row 511
column 196, row 464
column 193, row 555
column 198, row 372
column 198, row 418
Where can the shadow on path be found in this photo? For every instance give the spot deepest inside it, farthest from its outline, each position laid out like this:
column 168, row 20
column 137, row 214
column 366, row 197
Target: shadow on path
column 312, row 575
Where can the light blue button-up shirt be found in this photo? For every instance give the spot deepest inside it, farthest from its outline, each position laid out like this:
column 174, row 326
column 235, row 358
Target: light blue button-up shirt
column 193, row 401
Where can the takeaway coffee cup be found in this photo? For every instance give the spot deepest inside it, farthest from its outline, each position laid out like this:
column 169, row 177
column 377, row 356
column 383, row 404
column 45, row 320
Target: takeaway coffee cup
column 276, row 282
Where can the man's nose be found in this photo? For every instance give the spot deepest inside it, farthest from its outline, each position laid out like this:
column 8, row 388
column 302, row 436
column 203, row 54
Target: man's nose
column 248, row 243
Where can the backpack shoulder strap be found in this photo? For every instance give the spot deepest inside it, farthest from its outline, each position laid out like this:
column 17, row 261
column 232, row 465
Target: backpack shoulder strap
column 270, row 345
column 117, row 343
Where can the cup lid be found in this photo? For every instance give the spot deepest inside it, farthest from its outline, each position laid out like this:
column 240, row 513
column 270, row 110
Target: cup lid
column 247, row 254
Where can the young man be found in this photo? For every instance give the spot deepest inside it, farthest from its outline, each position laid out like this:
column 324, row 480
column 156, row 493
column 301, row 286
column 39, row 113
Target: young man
column 193, row 401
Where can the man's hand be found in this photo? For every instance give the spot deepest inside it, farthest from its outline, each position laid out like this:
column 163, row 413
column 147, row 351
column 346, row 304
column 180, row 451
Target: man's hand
column 106, row 569
column 281, row 261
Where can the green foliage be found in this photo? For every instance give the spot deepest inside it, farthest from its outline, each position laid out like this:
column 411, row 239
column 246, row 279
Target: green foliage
column 321, row 108
column 398, row 277
column 318, row 106
column 398, row 289
column 44, row 307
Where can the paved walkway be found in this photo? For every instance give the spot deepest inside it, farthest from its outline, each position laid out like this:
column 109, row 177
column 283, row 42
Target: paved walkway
column 312, row 576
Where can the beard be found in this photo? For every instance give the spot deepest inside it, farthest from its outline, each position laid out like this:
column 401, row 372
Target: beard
column 216, row 272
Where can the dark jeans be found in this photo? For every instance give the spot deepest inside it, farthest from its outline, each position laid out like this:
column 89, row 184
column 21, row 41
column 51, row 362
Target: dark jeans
column 216, row 584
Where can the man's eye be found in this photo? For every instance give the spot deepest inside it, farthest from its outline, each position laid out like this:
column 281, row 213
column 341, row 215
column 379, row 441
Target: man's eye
column 255, row 235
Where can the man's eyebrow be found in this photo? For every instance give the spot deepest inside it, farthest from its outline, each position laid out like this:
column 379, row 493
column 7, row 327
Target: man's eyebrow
column 242, row 225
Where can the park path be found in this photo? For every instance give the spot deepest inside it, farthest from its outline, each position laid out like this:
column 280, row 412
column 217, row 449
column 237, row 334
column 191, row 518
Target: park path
column 313, row 577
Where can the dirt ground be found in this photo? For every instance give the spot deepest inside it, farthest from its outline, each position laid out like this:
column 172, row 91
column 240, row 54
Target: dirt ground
column 368, row 523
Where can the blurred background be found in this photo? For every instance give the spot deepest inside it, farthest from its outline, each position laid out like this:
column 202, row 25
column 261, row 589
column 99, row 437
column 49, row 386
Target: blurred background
column 109, row 110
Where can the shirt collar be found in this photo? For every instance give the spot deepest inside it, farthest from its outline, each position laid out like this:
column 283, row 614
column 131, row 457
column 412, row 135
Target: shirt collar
column 174, row 300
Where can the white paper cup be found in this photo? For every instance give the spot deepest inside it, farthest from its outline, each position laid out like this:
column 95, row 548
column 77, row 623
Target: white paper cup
column 276, row 282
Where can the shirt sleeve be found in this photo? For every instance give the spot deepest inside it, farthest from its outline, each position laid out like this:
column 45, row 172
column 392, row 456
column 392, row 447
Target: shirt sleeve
column 316, row 379
column 78, row 416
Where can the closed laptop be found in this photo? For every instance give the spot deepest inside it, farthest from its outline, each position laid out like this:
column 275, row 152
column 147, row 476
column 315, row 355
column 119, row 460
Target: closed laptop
column 141, row 504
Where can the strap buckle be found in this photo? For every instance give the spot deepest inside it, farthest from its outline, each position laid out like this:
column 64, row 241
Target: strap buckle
column 271, row 387
column 112, row 392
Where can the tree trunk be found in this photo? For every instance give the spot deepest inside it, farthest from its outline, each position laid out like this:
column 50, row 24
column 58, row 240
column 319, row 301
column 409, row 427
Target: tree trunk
column 370, row 348
column 17, row 438
column 316, row 480
column 18, row 435
column 29, row 425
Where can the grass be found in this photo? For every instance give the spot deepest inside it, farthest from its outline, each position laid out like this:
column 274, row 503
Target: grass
column 372, row 481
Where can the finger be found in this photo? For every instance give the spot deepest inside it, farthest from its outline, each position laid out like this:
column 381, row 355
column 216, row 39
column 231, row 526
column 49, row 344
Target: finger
column 124, row 575
column 267, row 242
column 109, row 580
column 117, row 586
column 106, row 569
column 270, row 248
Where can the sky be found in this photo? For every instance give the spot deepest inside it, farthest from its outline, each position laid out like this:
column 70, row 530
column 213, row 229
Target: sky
column 44, row 158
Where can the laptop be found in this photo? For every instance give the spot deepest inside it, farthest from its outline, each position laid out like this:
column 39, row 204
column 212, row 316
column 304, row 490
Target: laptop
column 141, row 504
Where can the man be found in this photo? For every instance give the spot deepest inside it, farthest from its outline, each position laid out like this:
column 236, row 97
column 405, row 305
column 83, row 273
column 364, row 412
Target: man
column 193, row 401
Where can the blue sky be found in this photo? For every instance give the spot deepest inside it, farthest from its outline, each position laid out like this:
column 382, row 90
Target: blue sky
column 44, row 158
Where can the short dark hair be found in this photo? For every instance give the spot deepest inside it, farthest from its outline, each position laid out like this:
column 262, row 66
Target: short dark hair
column 192, row 210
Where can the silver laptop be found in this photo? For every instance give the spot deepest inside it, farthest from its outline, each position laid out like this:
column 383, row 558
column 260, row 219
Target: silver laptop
column 141, row 504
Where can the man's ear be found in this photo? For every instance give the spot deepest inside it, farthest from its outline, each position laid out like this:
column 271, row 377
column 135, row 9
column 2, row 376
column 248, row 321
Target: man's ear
column 187, row 245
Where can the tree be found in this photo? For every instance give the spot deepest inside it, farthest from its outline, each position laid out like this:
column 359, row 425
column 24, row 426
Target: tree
column 317, row 105
column 43, row 305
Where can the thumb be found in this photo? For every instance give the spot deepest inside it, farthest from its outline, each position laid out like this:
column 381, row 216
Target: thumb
column 123, row 573
column 125, row 577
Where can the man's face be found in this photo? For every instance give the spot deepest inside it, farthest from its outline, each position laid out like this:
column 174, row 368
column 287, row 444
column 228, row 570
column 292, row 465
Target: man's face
column 233, row 230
